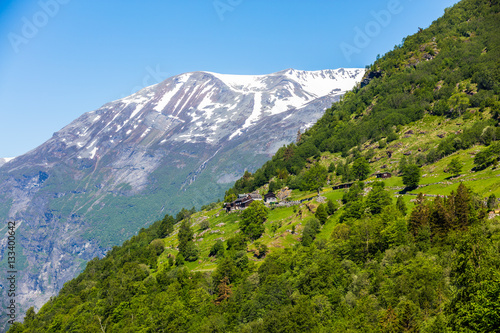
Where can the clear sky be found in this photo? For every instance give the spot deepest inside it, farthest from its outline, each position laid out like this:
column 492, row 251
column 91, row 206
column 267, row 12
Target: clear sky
column 62, row 58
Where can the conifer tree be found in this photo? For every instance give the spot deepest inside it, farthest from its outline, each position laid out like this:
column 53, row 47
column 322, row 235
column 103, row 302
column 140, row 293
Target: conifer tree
column 331, row 167
column 439, row 218
column 166, row 226
column 401, row 206
column 403, row 163
column 186, row 245
column 224, row 289
column 311, row 228
column 462, row 209
column 339, row 171
column 419, row 216
column 475, row 303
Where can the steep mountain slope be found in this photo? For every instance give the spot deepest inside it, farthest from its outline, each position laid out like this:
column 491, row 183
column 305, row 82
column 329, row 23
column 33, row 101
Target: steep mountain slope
column 176, row 144
column 372, row 267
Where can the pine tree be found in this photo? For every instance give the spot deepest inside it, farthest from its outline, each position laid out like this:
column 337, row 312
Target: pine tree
column 355, row 193
column 179, row 260
column 186, row 245
column 299, row 136
column 217, row 249
column 389, row 322
column 403, row 163
column 339, row 171
column 462, row 209
column 311, row 228
column 166, row 226
column 401, row 206
column 439, row 218
column 419, row 216
column 224, row 290
column 475, row 303
column 346, row 174
column 407, row 317
column 331, row 167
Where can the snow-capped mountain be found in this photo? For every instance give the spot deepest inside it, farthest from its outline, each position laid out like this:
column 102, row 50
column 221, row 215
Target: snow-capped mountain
column 179, row 143
column 201, row 107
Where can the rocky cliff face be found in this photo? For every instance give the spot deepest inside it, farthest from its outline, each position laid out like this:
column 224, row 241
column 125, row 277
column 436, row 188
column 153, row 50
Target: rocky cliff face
column 180, row 143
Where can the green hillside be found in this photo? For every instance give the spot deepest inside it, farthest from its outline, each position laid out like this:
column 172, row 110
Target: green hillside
column 415, row 252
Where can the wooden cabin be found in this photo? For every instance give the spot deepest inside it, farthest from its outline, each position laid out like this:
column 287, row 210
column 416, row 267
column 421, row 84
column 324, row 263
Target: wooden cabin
column 383, row 175
column 344, row 185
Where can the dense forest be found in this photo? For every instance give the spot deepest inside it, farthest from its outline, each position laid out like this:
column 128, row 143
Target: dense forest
column 384, row 265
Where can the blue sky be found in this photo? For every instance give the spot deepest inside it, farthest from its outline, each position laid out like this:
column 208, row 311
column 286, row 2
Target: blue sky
column 62, row 58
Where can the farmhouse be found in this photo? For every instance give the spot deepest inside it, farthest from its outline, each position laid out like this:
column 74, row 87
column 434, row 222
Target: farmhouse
column 270, row 197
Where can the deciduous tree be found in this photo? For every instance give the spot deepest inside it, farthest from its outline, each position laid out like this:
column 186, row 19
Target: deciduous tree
column 253, row 218
column 411, row 176
column 360, row 168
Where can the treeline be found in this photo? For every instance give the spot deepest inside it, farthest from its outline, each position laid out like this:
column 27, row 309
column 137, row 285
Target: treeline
column 444, row 70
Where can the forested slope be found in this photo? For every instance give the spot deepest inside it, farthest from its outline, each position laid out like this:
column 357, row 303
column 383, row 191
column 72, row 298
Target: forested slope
column 448, row 69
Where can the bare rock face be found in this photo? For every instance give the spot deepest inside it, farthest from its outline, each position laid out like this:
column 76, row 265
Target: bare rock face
column 112, row 171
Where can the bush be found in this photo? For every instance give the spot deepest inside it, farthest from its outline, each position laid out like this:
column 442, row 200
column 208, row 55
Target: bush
column 204, row 225
column 217, row 249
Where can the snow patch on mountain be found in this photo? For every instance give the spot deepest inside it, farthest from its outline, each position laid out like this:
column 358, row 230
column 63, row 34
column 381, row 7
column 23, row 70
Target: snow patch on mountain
column 203, row 107
column 4, row 160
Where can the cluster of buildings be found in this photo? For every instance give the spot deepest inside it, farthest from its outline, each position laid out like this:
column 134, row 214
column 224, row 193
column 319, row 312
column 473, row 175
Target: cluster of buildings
column 244, row 200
